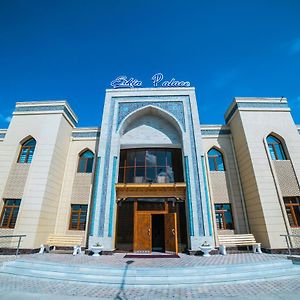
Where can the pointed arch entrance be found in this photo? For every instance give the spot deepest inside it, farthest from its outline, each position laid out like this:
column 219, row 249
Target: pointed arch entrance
column 151, row 189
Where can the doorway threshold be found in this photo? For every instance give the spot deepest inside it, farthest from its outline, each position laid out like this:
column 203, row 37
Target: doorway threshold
column 152, row 255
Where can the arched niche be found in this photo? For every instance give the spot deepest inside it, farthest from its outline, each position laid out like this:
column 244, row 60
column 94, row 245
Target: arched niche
column 150, row 126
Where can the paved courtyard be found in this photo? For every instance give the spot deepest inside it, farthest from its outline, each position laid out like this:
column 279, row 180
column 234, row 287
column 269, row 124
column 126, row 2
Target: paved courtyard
column 118, row 259
column 18, row 287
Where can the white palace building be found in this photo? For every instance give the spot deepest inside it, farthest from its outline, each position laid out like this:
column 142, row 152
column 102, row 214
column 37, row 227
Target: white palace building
column 152, row 178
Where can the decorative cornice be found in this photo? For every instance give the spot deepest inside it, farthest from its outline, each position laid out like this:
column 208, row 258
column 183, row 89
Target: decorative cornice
column 206, row 132
column 86, row 134
column 45, row 108
column 255, row 105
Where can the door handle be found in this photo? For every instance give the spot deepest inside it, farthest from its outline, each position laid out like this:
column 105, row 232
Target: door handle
column 173, row 231
column 149, row 231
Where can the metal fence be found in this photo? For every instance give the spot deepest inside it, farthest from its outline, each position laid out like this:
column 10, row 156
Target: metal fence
column 11, row 242
column 288, row 239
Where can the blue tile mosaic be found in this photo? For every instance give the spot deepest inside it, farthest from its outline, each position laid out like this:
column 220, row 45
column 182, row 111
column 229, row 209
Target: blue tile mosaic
column 175, row 108
column 215, row 131
column 112, row 198
column 254, row 105
column 91, row 134
column 195, row 169
column 204, row 172
column 95, row 193
column 106, row 170
column 189, row 198
column 47, row 108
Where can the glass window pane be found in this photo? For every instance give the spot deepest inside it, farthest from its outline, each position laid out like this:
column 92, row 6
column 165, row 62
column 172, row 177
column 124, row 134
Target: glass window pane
column 228, row 219
column 155, row 159
column 272, row 153
column 23, row 155
column 297, row 214
column 219, row 220
column 14, row 218
column 122, row 158
column 150, row 175
column 139, row 175
column 172, row 157
column 161, row 157
column 224, row 216
column 211, row 164
column 121, row 175
column 89, row 166
column 84, row 208
column 151, row 159
column 170, row 174
column 220, row 163
column 213, row 152
column 81, row 168
column 290, row 216
column 87, row 154
column 129, row 175
column 17, row 202
column 75, row 207
column 29, row 159
column 140, row 158
column 5, row 216
column 161, row 175
column 82, row 217
column 279, row 152
column 218, row 207
column 31, row 142
column 130, row 159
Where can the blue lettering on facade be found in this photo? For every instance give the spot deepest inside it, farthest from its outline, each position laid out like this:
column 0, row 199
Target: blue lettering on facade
column 123, row 82
column 157, row 81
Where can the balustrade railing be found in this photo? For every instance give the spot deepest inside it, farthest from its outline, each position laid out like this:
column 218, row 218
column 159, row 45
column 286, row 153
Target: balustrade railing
column 289, row 241
column 11, row 242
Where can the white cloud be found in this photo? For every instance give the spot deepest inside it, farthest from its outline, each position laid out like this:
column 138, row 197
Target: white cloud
column 294, row 46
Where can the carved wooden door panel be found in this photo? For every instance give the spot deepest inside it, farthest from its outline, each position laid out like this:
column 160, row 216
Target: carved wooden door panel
column 143, row 235
column 171, row 243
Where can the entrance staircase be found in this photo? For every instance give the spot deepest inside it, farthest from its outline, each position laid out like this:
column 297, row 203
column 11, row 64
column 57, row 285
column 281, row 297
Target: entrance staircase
column 128, row 275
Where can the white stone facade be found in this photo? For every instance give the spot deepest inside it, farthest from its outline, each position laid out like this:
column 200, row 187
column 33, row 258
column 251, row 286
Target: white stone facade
column 252, row 183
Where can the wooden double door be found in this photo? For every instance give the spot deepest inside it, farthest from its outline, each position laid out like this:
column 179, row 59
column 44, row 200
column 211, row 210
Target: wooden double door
column 150, row 227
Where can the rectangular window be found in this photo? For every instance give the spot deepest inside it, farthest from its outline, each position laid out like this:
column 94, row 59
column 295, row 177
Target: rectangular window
column 78, row 217
column 224, row 216
column 292, row 207
column 150, row 166
column 10, row 213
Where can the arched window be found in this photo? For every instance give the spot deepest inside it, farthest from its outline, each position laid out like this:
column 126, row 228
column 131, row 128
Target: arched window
column 215, row 160
column 275, row 148
column 85, row 164
column 27, row 150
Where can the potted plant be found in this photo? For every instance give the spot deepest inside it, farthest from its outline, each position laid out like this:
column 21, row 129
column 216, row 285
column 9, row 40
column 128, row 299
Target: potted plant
column 96, row 249
column 206, row 248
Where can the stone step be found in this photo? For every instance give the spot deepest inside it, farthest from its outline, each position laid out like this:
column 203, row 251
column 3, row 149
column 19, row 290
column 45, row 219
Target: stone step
column 153, row 276
column 132, row 271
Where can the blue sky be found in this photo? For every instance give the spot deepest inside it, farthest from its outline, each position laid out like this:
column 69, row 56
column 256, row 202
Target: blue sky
column 73, row 49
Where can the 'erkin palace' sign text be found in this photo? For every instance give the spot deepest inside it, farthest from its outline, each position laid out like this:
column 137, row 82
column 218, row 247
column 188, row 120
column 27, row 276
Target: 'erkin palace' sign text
column 157, row 81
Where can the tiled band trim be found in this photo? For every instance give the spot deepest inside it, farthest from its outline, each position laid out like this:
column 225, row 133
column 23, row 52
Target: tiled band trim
column 254, row 105
column 47, row 108
column 94, row 199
